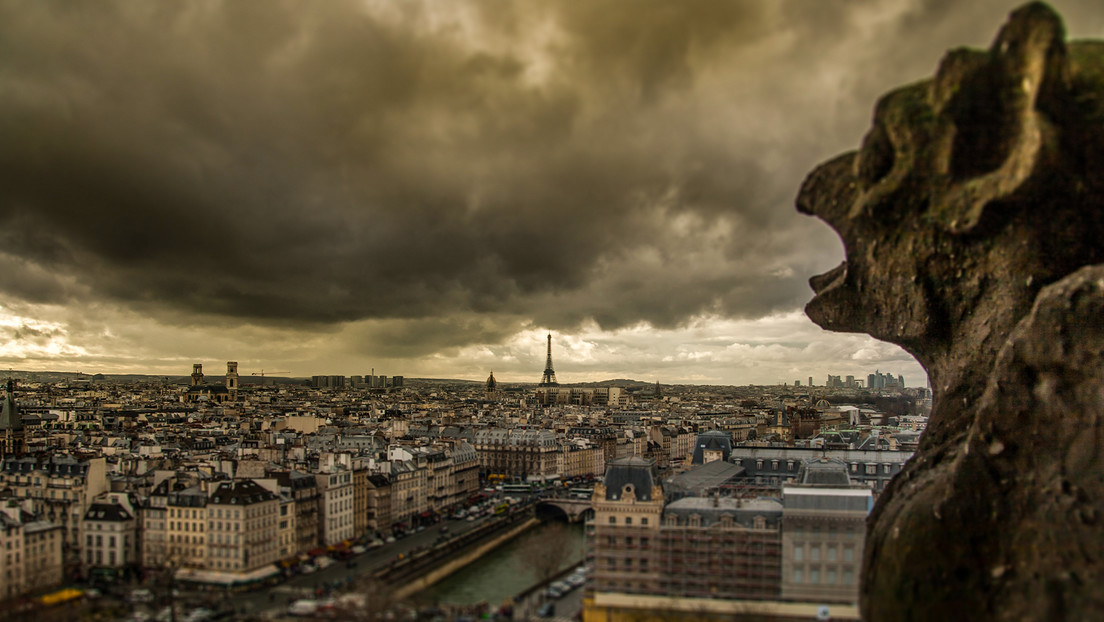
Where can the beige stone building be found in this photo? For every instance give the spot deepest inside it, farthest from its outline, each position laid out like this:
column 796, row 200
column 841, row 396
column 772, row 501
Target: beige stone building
column 335, row 521
column 110, row 534
column 408, row 499
column 242, row 526
column 825, row 518
column 628, row 510
column 287, row 542
column 186, row 528
column 31, row 557
column 531, row 454
column 581, row 458
column 60, row 488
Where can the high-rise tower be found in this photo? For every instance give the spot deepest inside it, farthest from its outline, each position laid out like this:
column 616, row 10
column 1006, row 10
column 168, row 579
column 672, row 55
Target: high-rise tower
column 549, row 377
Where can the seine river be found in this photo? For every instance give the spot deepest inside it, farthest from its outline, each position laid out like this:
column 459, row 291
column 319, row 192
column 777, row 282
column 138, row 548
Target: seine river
column 504, row 572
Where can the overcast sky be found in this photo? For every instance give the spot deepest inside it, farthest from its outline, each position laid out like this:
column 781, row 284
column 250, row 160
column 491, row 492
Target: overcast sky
column 429, row 188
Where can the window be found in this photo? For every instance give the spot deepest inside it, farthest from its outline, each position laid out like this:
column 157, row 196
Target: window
column 799, row 552
column 831, row 576
column 628, row 520
column 848, row 554
column 814, row 575
column 848, row 577
column 814, row 553
column 798, row 578
column 871, row 469
column 831, row 553
column 613, row 520
column 644, row 521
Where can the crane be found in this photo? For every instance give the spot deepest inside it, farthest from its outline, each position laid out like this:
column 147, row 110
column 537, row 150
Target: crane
column 263, row 372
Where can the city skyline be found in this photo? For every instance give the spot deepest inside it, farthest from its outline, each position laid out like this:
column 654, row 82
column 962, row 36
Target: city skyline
column 430, row 189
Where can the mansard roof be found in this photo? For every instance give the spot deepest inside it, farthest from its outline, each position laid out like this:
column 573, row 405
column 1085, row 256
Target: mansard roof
column 241, row 492
column 110, row 512
column 638, row 472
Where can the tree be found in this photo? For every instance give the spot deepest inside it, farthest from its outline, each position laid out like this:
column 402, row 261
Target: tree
column 548, row 552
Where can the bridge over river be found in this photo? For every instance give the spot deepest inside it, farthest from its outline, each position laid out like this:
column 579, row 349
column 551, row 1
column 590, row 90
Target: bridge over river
column 574, row 510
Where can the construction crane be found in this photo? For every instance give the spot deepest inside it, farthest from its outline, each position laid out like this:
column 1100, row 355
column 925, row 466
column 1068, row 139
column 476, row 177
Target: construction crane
column 263, row 372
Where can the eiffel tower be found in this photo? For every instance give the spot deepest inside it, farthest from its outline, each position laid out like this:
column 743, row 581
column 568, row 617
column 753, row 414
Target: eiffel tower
column 549, row 377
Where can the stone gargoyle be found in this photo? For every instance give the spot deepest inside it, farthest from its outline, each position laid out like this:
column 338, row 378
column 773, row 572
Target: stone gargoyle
column 973, row 223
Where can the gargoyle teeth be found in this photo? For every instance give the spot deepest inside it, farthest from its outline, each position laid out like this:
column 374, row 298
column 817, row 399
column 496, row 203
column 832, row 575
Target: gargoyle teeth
column 834, row 277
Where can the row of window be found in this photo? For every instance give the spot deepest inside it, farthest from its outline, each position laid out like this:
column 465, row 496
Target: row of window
column 791, row 465
column 830, row 552
column 110, row 541
column 628, row 520
column 830, row 576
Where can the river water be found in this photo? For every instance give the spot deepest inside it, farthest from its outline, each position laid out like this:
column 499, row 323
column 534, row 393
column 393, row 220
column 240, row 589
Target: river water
column 507, row 570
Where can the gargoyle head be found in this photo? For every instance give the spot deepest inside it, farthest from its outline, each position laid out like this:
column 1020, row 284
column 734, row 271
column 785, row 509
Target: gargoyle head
column 970, row 192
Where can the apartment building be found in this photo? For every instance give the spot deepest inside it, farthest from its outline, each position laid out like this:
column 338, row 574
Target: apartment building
column 242, row 526
column 773, row 466
column 408, row 499
column 186, row 527
column 580, row 458
column 379, row 503
column 110, row 534
column 60, row 487
column 528, row 454
column 303, row 489
column 335, row 502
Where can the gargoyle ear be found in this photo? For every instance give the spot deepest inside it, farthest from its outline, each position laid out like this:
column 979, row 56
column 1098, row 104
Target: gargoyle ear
column 996, row 114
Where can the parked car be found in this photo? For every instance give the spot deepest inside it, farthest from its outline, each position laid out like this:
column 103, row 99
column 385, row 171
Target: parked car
column 547, row 610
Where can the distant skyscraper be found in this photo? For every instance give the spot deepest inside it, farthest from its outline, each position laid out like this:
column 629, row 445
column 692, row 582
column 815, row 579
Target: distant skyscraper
column 549, row 377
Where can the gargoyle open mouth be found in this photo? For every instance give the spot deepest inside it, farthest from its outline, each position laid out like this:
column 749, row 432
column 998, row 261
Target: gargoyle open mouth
column 833, row 278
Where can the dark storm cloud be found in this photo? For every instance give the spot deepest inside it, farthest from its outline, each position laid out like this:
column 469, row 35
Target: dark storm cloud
column 324, row 162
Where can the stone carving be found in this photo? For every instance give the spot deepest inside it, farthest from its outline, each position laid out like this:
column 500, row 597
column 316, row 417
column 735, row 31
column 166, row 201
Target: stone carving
column 973, row 219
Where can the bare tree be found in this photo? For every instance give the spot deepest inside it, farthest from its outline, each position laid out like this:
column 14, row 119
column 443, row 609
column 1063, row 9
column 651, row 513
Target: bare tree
column 547, row 553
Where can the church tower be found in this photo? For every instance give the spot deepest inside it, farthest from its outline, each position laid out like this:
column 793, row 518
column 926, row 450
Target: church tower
column 197, row 374
column 232, row 379
column 12, row 435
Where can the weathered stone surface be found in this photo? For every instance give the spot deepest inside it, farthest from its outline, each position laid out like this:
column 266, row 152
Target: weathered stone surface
column 968, row 217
